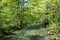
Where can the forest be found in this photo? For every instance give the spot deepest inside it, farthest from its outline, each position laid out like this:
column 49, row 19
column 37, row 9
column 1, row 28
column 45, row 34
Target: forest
column 29, row 19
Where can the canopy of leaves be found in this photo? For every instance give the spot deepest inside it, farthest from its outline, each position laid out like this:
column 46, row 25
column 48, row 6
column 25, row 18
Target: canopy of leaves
column 15, row 14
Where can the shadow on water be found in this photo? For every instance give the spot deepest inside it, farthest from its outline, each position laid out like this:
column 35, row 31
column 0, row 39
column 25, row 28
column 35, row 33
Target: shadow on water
column 35, row 27
column 36, row 37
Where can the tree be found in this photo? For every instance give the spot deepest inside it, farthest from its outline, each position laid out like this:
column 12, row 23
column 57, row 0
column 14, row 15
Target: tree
column 9, row 11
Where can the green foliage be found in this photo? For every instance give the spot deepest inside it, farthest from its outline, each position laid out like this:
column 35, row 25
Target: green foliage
column 8, row 16
column 44, row 12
